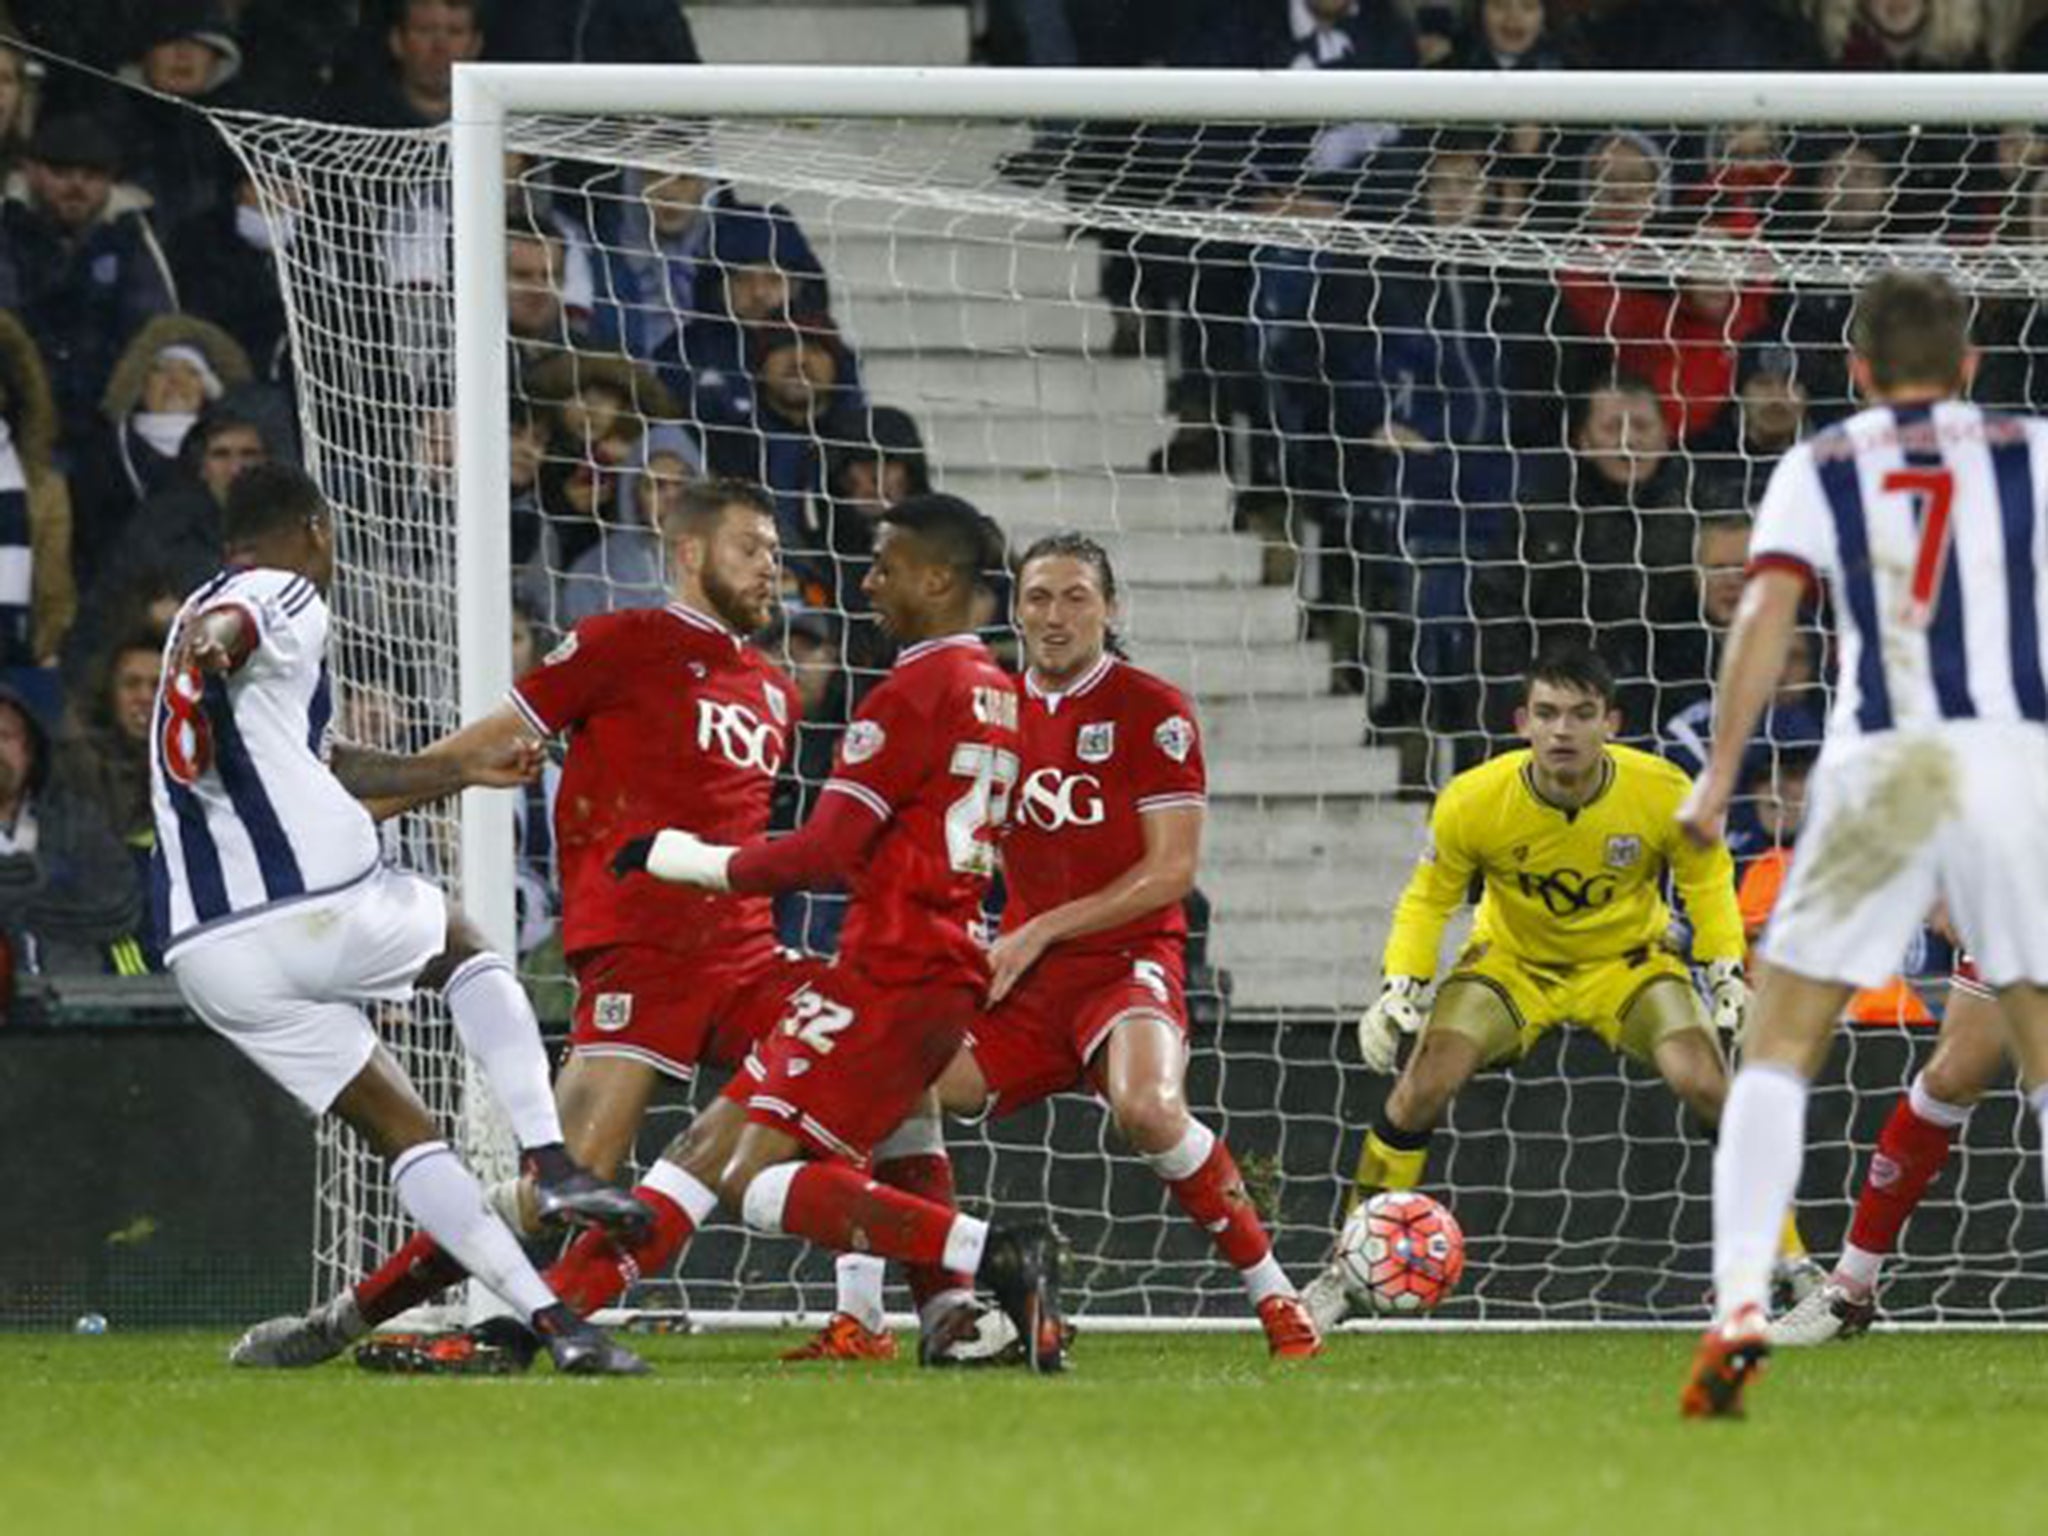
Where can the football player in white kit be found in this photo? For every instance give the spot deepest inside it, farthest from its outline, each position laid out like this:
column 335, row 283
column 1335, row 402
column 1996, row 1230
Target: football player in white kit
column 281, row 920
column 1923, row 519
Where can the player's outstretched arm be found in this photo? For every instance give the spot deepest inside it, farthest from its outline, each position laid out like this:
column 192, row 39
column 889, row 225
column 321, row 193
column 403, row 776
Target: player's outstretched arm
column 1750, row 669
column 832, row 842
column 1704, row 876
column 1436, row 888
column 1163, row 875
column 496, row 752
column 675, row 857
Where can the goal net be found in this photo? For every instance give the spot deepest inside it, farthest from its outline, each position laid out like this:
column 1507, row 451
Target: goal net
column 1370, row 401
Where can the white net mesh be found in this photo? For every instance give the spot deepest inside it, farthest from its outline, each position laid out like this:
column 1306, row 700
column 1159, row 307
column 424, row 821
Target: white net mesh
column 1365, row 414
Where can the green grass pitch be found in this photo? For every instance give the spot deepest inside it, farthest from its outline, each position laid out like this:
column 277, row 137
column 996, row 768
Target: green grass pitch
column 1149, row 1436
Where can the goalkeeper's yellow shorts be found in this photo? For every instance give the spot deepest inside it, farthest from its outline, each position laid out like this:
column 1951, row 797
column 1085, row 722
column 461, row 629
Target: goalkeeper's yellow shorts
column 1504, row 1003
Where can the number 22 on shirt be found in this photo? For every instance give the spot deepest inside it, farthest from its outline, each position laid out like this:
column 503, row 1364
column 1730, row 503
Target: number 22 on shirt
column 971, row 820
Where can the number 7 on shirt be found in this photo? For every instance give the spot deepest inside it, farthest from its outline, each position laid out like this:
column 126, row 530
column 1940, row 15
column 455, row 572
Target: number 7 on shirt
column 1933, row 491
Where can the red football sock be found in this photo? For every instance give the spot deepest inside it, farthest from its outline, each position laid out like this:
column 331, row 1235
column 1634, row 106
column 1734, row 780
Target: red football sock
column 1214, row 1195
column 929, row 1176
column 838, row 1208
column 598, row 1268
column 417, row 1273
column 1910, row 1152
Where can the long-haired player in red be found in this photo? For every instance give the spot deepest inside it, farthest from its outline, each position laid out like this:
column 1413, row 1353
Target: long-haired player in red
column 1086, row 979
column 1911, row 1151
column 669, row 716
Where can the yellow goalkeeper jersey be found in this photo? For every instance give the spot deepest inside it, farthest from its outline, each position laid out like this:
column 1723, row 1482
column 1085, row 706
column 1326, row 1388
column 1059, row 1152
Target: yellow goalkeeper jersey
column 1560, row 887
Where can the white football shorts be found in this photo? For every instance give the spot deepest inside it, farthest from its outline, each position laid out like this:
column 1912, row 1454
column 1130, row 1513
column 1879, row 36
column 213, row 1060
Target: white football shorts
column 1896, row 820
column 288, row 987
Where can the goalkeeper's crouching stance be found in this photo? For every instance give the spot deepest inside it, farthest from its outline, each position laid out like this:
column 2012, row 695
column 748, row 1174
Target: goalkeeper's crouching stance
column 1570, row 841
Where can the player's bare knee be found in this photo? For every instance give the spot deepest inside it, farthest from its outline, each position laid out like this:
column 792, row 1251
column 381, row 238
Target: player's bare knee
column 1152, row 1117
column 1957, row 1080
column 1970, row 1054
column 706, row 1145
column 738, row 1171
column 701, row 1156
column 602, row 1101
column 464, row 943
column 961, row 1088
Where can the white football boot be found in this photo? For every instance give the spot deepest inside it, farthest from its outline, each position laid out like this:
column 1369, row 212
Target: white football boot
column 1827, row 1314
column 1327, row 1298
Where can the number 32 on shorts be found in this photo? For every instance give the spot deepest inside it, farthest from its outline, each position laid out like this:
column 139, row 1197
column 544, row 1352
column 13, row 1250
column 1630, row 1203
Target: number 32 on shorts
column 815, row 1020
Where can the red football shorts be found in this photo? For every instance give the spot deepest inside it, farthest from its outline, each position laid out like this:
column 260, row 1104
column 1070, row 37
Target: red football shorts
column 677, row 1012
column 849, row 1059
column 1044, row 1037
column 1964, row 978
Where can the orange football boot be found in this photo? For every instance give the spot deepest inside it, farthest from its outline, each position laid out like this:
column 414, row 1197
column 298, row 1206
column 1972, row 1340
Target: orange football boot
column 1290, row 1331
column 845, row 1337
column 1729, row 1354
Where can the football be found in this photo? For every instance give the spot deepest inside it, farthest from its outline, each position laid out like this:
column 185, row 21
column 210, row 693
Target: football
column 1402, row 1253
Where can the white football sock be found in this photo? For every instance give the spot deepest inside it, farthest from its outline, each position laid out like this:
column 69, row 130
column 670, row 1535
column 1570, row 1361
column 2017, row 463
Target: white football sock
column 448, row 1203
column 859, row 1283
column 1184, row 1159
column 1266, row 1278
column 767, row 1193
column 1756, row 1173
column 965, row 1240
column 1934, row 1111
column 1856, row 1271
column 495, row 1019
column 672, row 1181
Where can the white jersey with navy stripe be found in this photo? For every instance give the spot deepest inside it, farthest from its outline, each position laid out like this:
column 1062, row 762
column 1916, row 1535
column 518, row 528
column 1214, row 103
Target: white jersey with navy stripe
column 1925, row 523
column 248, row 815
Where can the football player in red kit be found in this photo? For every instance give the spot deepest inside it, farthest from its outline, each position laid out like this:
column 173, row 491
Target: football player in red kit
column 1086, row 980
column 1911, row 1151
column 909, row 821
column 669, row 716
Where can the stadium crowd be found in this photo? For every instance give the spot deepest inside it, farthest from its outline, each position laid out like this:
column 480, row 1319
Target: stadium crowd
column 1480, row 463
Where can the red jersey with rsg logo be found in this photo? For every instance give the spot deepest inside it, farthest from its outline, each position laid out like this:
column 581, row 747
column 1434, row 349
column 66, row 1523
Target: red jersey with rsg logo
column 673, row 721
column 1115, row 745
column 932, row 752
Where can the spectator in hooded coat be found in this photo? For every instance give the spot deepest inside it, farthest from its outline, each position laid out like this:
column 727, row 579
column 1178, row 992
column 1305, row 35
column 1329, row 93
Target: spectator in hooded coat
column 176, row 366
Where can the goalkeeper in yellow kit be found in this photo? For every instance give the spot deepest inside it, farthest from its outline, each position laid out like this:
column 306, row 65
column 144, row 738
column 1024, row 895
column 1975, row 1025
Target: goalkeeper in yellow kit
column 1571, row 840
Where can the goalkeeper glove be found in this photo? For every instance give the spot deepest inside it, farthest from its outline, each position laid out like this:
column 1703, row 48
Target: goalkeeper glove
column 1728, row 995
column 676, row 856
column 1396, row 1012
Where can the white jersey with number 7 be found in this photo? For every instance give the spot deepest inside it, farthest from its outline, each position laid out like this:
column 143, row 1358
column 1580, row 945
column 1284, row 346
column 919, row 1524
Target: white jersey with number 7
column 1924, row 523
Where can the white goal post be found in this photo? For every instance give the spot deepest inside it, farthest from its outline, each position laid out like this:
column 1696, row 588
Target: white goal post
column 485, row 95
column 971, row 296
